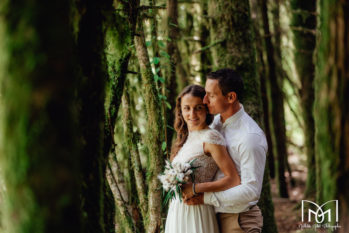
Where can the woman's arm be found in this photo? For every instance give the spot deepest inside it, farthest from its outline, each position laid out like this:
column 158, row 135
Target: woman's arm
column 226, row 165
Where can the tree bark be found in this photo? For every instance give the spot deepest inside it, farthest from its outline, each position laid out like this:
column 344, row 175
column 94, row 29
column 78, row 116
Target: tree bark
column 133, row 151
column 119, row 39
column 154, row 131
column 91, row 94
column 331, row 110
column 231, row 24
column 205, row 56
column 173, row 52
column 262, row 71
column 304, row 26
column 39, row 150
column 277, row 120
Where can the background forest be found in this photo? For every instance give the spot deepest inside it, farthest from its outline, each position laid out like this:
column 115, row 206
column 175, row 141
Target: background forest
column 88, row 88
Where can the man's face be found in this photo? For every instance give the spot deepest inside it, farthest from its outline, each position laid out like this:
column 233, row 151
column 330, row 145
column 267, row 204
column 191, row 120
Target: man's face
column 214, row 98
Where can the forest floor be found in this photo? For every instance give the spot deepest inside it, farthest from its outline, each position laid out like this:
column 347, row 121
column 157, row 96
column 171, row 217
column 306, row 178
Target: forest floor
column 287, row 211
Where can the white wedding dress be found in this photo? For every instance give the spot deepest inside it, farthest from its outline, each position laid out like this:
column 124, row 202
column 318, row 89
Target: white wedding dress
column 182, row 218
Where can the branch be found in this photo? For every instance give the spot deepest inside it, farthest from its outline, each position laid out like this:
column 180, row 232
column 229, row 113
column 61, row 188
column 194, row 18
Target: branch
column 293, row 84
column 189, row 38
column 131, row 72
column 304, row 12
column 294, row 113
column 121, row 204
column 142, row 8
column 304, row 30
column 300, row 147
column 133, row 150
column 188, row 1
column 209, row 46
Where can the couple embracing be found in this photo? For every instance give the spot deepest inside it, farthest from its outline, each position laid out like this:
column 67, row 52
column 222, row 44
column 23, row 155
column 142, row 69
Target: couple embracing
column 230, row 151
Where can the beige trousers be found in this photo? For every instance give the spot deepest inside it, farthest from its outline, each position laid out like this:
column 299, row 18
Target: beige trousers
column 250, row 221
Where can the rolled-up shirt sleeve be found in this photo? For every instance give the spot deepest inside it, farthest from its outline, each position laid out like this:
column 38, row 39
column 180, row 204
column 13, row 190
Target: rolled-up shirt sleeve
column 252, row 163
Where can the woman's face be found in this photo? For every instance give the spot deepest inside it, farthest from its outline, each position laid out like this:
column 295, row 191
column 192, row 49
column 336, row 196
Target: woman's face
column 194, row 112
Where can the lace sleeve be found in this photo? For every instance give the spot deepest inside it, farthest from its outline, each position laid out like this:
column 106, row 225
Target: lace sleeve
column 214, row 137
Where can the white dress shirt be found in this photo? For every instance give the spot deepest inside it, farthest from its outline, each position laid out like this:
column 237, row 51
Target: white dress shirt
column 247, row 146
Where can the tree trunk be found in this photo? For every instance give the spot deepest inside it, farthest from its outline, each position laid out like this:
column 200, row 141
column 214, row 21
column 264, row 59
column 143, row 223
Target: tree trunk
column 90, row 44
column 39, row 150
column 154, row 131
column 303, row 26
column 277, row 120
column 173, row 52
column 205, row 56
column 331, row 110
column 119, row 38
column 262, row 71
column 134, row 154
column 231, row 24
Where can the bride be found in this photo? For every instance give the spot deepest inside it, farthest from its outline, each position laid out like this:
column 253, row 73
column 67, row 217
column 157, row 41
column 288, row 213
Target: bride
column 195, row 140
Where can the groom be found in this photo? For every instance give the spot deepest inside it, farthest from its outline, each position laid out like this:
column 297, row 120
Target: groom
column 236, row 207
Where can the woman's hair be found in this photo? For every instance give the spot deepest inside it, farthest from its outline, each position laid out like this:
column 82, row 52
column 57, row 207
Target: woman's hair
column 179, row 124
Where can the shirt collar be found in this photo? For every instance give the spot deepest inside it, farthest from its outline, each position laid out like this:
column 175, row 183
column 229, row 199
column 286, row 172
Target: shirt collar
column 234, row 118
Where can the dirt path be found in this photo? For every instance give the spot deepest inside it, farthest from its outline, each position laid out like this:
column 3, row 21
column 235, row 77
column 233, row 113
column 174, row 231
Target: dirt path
column 287, row 211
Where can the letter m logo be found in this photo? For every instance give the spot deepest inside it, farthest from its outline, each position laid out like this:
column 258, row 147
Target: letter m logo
column 319, row 212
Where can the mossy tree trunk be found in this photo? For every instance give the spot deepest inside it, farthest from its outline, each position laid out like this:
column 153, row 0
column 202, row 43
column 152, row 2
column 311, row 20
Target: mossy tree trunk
column 280, row 72
column 154, row 131
column 303, row 25
column 263, row 71
column 136, row 166
column 119, row 37
column 231, row 25
column 171, row 74
column 331, row 108
column 205, row 55
column 39, row 147
column 91, row 94
column 277, row 121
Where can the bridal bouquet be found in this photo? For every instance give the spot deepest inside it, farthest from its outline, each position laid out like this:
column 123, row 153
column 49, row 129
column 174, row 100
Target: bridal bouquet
column 174, row 176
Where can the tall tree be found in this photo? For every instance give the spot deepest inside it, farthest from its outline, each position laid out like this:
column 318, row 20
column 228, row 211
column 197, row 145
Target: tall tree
column 303, row 25
column 132, row 147
column 205, row 56
column 39, row 147
column 118, row 41
column 231, row 28
column 331, row 110
column 154, row 130
column 277, row 121
column 93, row 76
column 173, row 52
column 263, row 71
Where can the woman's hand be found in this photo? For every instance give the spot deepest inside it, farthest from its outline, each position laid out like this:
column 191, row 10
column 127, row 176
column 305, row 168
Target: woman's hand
column 187, row 191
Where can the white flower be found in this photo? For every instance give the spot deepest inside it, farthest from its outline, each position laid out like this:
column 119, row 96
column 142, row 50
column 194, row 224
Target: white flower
column 187, row 173
column 168, row 165
column 166, row 187
column 178, row 167
column 187, row 166
column 174, row 176
column 180, row 177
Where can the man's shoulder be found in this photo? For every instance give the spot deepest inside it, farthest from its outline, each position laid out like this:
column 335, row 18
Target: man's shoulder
column 216, row 122
column 250, row 126
column 249, row 134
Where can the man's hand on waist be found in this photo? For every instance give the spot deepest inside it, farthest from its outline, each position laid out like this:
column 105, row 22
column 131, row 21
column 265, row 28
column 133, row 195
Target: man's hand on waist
column 195, row 200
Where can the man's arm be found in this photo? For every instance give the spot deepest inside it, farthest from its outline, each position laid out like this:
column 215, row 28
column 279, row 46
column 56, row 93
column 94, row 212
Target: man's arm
column 252, row 163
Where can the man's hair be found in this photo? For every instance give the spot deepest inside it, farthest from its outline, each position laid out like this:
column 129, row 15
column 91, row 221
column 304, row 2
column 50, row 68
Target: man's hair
column 228, row 81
